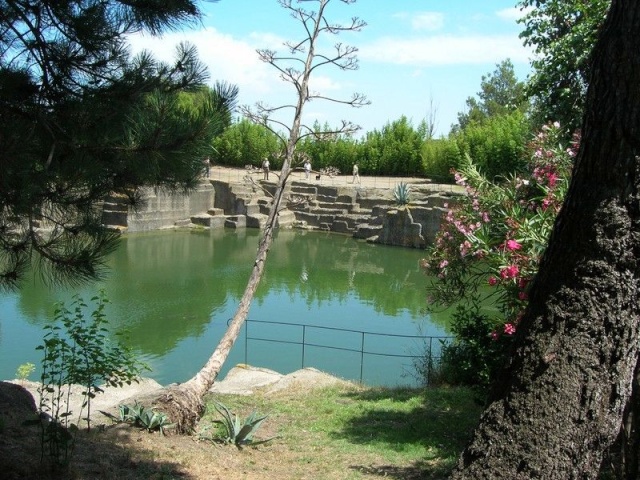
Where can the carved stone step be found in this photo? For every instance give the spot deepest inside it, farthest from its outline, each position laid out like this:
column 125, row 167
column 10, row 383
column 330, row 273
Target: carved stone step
column 203, row 219
column 328, row 211
column 285, row 219
column 236, row 221
column 185, row 223
column 253, row 209
column 366, row 231
column 341, row 226
column 335, row 206
column 299, row 189
column 256, row 220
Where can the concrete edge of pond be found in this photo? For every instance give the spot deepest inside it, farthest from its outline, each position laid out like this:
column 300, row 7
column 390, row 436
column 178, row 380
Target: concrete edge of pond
column 247, row 380
column 240, row 380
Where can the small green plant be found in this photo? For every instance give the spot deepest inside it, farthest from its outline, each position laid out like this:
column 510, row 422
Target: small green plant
column 401, row 193
column 24, row 370
column 148, row 419
column 77, row 351
column 236, row 431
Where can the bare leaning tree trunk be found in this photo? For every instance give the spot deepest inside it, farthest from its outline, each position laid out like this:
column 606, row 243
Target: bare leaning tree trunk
column 560, row 403
column 184, row 403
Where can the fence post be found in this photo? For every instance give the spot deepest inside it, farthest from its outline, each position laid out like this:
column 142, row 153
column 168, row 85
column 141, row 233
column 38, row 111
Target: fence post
column 304, row 341
column 362, row 357
column 430, row 364
column 246, row 343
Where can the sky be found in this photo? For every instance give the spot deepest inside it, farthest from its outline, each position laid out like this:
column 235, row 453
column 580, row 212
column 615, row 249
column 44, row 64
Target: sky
column 417, row 58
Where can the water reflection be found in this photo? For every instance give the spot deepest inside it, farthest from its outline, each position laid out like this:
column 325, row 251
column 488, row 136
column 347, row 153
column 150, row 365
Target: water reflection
column 174, row 291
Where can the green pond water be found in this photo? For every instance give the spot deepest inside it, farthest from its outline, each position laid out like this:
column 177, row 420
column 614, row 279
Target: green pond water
column 176, row 290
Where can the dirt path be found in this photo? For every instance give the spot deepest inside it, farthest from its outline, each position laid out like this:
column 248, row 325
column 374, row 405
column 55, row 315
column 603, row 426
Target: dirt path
column 231, row 175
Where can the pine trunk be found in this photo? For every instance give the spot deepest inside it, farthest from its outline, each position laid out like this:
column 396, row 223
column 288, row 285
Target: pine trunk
column 560, row 402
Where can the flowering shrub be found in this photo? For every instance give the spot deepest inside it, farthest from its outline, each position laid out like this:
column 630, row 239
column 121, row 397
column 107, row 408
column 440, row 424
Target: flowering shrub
column 489, row 245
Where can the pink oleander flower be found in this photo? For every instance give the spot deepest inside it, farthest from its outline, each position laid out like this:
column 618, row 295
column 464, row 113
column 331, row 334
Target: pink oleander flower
column 492, row 281
column 464, row 248
column 443, row 264
column 512, row 245
column 509, row 272
column 509, row 328
column 494, row 335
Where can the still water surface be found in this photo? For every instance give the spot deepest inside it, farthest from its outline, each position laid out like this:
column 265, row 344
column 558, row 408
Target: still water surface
column 175, row 291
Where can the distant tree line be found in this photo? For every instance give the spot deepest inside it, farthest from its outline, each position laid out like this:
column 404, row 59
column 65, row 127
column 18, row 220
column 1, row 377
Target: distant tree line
column 493, row 131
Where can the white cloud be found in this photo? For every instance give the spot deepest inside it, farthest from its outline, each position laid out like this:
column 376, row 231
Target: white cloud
column 513, row 14
column 423, row 20
column 227, row 58
column 445, row 50
column 322, row 84
column 427, row 21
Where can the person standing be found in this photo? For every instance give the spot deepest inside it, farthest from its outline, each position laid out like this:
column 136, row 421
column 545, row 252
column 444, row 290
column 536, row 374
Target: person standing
column 265, row 168
column 307, row 169
column 356, row 176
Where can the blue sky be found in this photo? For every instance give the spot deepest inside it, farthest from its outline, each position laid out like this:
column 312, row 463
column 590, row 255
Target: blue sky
column 415, row 56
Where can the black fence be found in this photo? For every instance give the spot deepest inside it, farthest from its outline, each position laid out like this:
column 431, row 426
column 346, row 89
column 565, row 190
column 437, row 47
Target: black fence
column 361, row 346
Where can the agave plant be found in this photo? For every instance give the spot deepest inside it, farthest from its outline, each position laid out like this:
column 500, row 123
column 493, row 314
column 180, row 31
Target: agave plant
column 401, row 193
column 146, row 418
column 236, row 431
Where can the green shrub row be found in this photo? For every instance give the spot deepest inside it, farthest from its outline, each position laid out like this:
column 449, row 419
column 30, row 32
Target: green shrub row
column 398, row 149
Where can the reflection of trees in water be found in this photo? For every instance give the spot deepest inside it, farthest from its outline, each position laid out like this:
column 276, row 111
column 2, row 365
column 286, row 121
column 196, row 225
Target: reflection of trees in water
column 388, row 278
column 167, row 286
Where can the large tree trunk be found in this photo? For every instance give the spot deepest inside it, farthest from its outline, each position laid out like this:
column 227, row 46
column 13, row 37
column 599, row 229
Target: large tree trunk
column 560, row 402
column 625, row 453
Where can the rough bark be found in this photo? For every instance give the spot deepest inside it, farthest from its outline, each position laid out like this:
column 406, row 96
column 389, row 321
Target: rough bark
column 560, row 402
column 624, row 455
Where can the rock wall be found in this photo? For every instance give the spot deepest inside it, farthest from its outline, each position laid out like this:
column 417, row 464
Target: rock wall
column 365, row 213
column 161, row 209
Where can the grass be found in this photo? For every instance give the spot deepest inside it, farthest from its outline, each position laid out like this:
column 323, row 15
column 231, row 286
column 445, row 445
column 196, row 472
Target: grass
column 341, row 432
column 401, row 433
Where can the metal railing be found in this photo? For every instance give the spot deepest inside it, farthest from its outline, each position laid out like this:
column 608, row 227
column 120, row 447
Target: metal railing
column 429, row 354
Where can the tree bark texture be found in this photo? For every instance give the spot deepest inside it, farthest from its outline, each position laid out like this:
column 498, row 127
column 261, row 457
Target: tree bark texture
column 626, row 452
column 560, row 402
